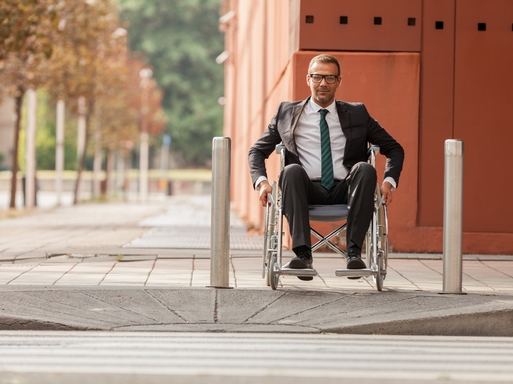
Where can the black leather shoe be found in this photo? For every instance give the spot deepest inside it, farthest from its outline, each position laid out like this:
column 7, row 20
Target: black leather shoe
column 354, row 260
column 302, row 261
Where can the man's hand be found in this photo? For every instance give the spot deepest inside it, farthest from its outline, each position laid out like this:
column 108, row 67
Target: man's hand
column 265, row 189
column 386, row 192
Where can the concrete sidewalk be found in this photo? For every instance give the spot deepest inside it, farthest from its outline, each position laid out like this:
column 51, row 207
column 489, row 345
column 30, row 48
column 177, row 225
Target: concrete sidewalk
column 134, row 266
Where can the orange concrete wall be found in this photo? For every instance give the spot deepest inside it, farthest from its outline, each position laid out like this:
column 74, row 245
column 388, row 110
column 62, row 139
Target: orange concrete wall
column 426, row 73
column 466, row 88
column 437, row 94
column 258, row 77
column 483, row 113
column 361, row 25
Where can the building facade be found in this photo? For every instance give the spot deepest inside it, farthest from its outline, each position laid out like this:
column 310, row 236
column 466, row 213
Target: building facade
column 427, row 70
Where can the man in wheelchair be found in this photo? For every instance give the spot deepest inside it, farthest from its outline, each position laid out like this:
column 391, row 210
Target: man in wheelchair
column 326, row 143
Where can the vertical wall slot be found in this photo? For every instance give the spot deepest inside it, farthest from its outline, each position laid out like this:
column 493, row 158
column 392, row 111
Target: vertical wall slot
column 377, row 20
column 412, row 21
column 309, row 19
column 439, row 25
column 343, row 19
column 481, row 26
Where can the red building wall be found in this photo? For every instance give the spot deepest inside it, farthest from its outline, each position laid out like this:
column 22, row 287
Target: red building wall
column 427, row 70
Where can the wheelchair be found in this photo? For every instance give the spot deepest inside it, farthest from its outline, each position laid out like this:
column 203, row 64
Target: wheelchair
column 376, row 240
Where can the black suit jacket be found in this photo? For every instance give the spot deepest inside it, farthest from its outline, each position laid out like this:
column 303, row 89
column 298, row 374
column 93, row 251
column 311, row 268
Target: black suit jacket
column 358, row 126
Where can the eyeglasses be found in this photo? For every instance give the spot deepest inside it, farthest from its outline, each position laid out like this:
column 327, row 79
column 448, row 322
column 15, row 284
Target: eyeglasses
column 330, row 79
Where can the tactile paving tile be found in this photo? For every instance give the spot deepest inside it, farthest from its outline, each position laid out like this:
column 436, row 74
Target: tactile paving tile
column 195, row 238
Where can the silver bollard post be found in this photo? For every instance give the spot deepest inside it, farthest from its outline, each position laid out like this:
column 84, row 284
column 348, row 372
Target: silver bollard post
column 220, row 229
column 453, row 216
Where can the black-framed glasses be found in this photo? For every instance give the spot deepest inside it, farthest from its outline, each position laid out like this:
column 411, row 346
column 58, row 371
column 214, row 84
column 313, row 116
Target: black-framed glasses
column 330, row 79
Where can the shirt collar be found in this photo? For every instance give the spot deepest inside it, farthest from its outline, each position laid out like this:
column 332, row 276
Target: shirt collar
column 316, row 107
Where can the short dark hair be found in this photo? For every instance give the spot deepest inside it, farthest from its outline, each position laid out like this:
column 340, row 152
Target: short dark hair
column 325, row 58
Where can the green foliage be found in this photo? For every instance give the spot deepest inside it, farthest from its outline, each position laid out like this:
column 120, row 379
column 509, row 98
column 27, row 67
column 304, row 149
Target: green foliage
column 181, row 40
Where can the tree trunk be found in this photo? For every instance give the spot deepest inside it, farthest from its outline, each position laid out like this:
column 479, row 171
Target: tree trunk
column 59, row 150
column 108, row 173
column 18, row 101
column 82, row 158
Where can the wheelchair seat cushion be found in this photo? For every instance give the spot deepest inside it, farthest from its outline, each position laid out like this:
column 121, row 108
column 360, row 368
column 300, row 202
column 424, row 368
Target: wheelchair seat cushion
column 337, row 212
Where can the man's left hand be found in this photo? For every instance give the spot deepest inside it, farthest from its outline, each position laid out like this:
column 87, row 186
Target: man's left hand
column 386, row 192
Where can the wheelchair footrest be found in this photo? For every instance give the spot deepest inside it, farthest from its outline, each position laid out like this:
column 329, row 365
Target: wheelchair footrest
column 297, row 272
column 354, row 272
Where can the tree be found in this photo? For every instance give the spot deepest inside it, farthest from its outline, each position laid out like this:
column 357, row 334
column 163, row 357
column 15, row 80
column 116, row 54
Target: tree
column 26, row 32
column 181, row 40
column 120, row 119
column 88, row 59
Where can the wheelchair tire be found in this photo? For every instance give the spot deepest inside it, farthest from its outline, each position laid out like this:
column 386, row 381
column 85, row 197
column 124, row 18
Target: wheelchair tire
column 384, row 239
column 270, row 242
column 274, row 277
column 379, row 277
column 378, row 252
column 267, row 274
column 265, row 255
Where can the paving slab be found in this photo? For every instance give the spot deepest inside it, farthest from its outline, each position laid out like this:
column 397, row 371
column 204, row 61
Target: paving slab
column 146, row 266
column 254, row 310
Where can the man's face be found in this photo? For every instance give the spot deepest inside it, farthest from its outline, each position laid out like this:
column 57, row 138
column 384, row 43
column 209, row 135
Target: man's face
column 323, row 93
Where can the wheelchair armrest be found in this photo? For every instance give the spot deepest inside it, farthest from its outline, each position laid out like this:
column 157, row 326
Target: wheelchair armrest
column 372, row 149
column 280, row 150
column 371, row 154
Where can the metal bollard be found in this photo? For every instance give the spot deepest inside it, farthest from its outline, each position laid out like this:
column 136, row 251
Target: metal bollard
column 220, row 220
column 453, row 216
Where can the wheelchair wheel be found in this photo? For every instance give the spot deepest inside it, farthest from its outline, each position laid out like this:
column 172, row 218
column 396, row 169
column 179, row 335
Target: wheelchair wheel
column 379, row 241
column 275, row 260
column 274, row 277
column 382, row 241
column 269, row 236
column 268, row 240
column 379, row 277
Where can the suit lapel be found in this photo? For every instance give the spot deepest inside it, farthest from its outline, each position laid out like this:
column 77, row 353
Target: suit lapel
column 296, row 113
column 343, row 116
column 345, row 123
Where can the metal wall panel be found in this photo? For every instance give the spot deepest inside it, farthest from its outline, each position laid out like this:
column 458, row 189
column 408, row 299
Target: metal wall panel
column 360, row 25
column 483, row 112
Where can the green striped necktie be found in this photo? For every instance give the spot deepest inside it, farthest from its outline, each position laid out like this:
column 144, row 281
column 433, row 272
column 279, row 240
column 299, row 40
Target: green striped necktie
column 327, row 179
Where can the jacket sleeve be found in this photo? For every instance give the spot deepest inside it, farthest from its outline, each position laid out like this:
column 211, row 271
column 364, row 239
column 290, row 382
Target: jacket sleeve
column 262, row 149
column 388, row 147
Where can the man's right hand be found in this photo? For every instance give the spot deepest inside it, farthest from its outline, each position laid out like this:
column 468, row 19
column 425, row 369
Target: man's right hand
column 265, row 189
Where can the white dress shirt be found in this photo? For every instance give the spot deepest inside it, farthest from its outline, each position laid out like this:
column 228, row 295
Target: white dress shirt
column 308, row 141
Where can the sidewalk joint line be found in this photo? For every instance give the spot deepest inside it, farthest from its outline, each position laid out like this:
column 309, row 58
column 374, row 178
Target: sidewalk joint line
column 264, row 308
column 234, row 275
column 497, row 270
column 114, row 305
column 479, row 281
column 109, row 271
column 404, row 277
column 149, row 292
column 150, row 272
column 65, row 273
column 21, row 274
column 311, row 308
column 192, row 270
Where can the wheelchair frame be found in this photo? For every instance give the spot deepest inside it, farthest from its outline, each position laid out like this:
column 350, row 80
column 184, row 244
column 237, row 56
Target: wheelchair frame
column 376, row 241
